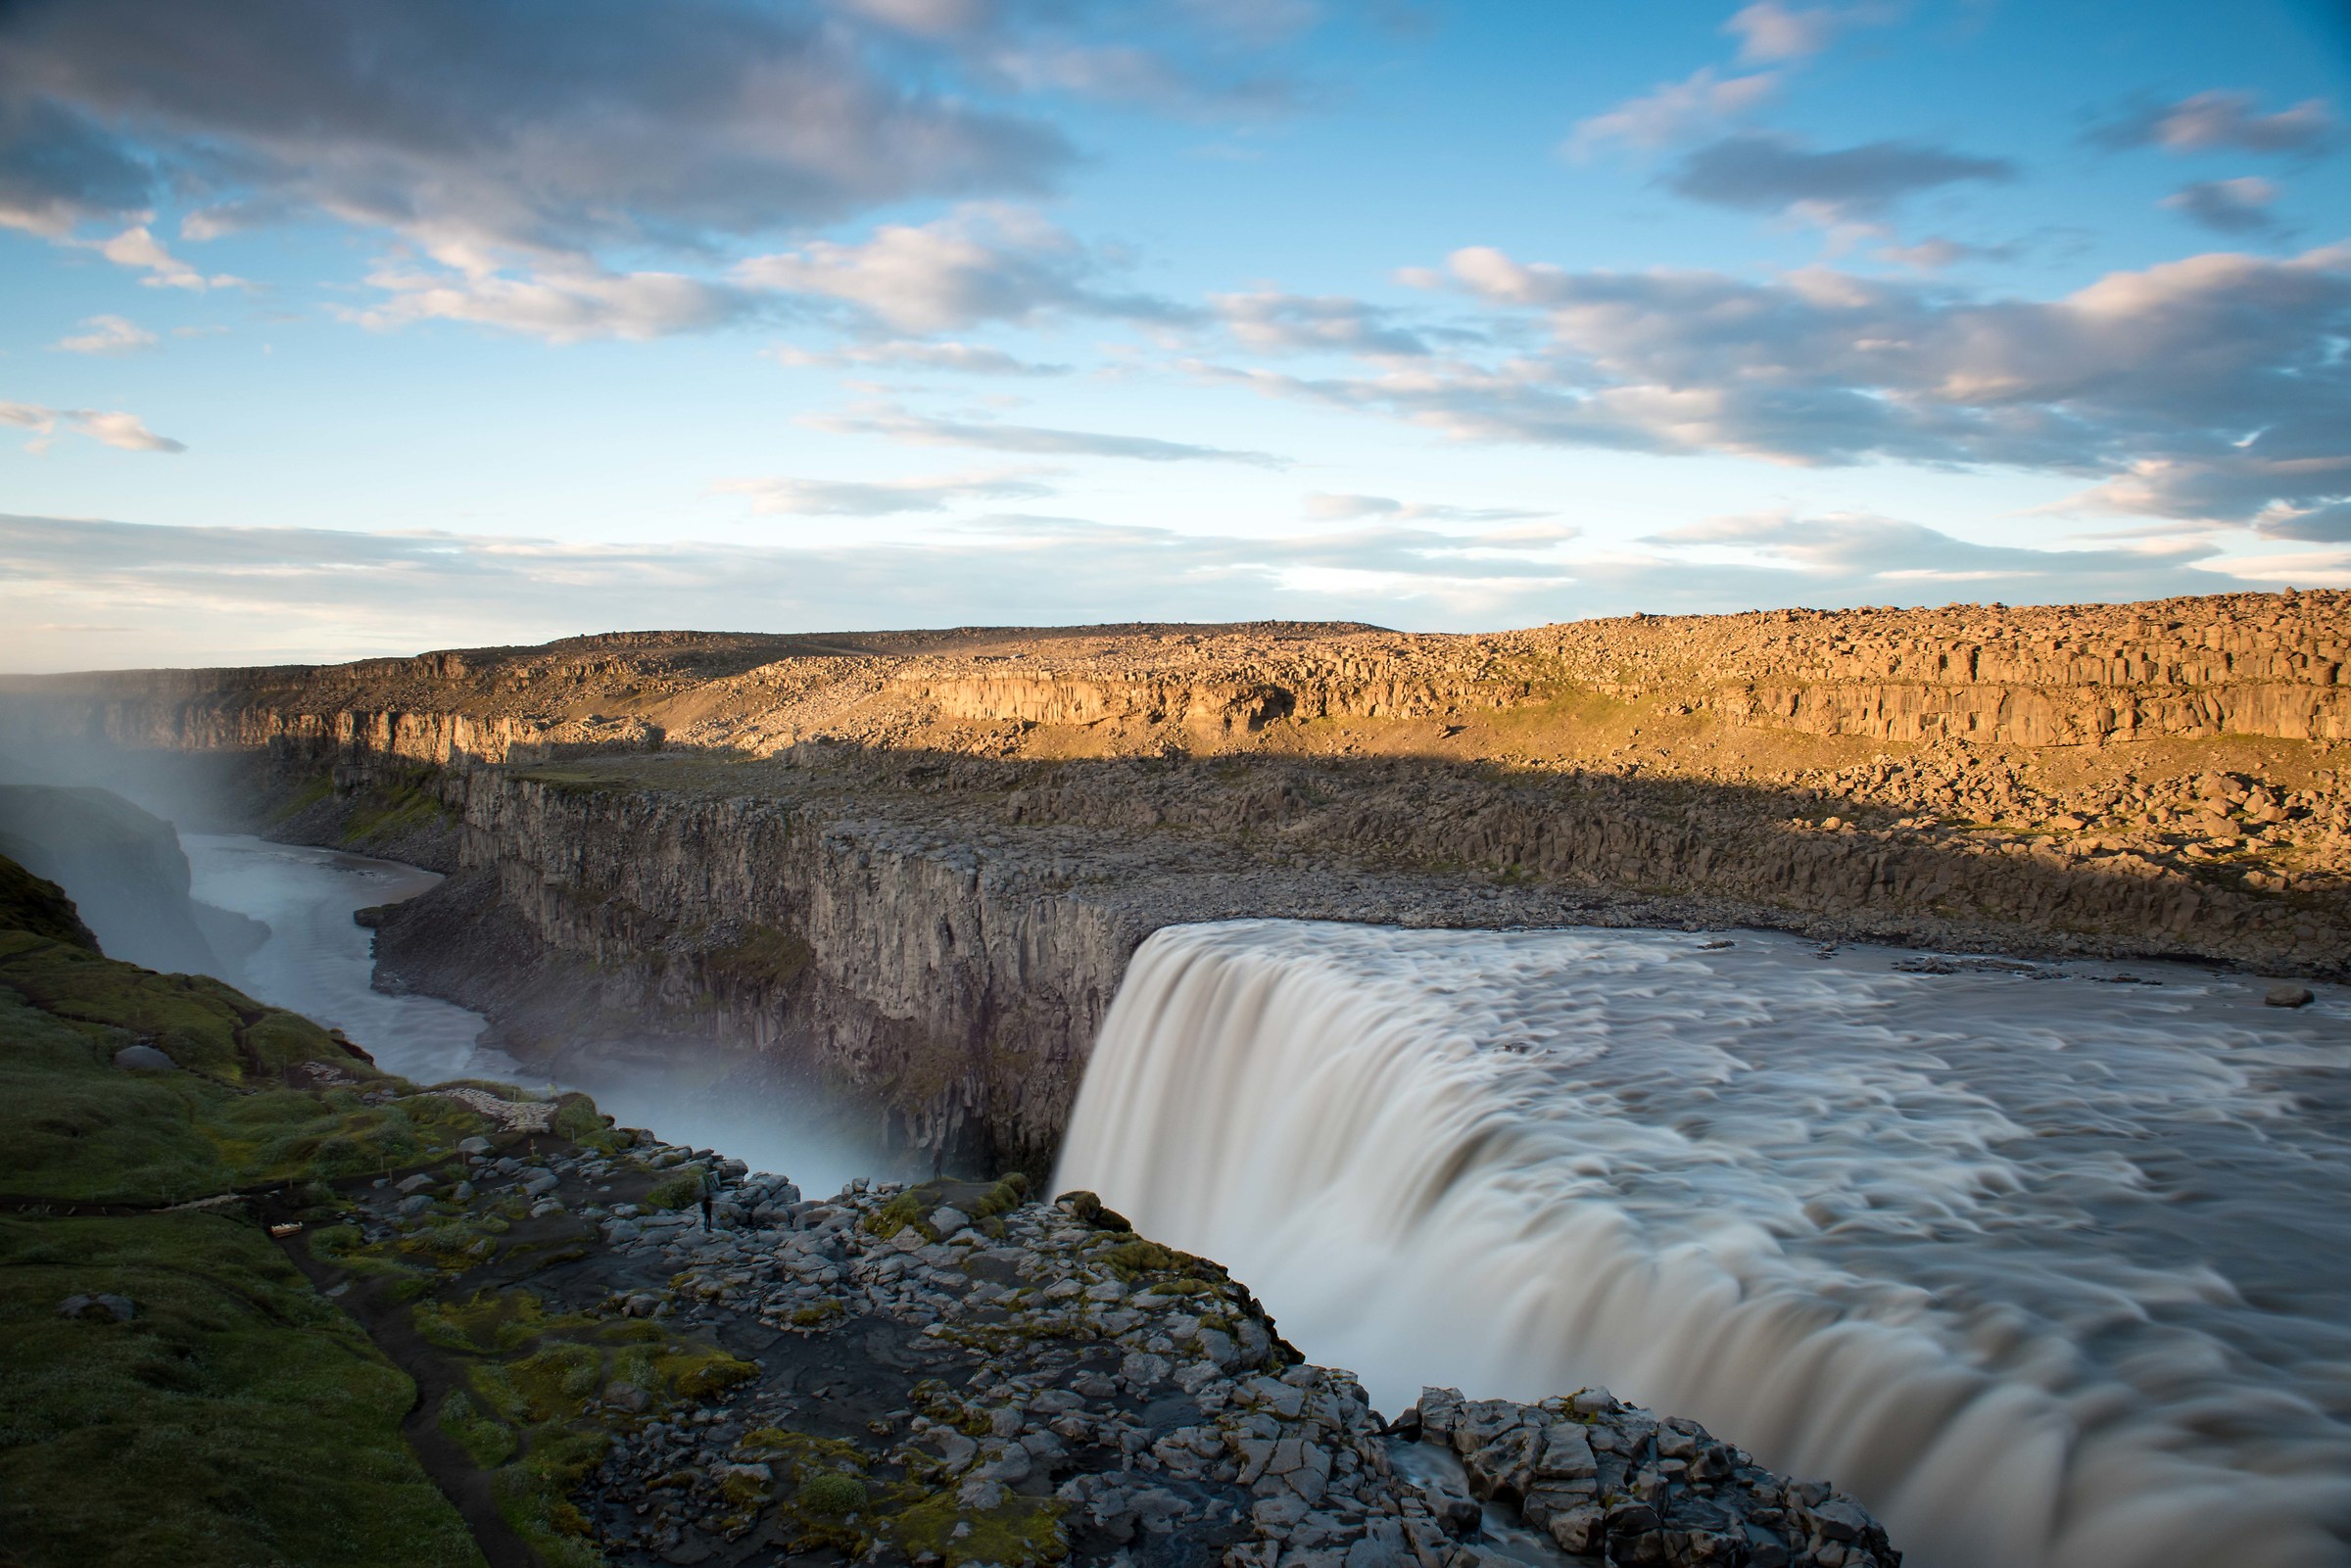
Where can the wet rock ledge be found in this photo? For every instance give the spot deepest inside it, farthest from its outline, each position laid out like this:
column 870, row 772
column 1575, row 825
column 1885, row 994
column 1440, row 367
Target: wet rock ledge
column 955, row 1373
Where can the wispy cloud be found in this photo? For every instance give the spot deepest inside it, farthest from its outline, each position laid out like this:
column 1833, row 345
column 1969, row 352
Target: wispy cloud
column 107, row 334
column 180, row 595
column 1290, row 323
column 840, row 498
column 2227, row 206
column 1769, row 31
column 125, row 431
column 924, row 431
column 1777, row 173
column 2214, row 122
column 1326, row 506
column 562, row 305
column 978, row 264
column 959, row 359
column 1674, row 112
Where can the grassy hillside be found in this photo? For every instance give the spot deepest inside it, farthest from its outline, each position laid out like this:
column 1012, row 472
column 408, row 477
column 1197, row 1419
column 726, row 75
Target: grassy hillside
column 236, row 1418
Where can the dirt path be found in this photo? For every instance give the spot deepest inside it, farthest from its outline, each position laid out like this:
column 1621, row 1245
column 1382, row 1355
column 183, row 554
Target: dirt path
column 392, row 1327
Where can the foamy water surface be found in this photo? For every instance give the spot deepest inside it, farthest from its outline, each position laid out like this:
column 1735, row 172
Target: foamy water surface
column 2047, row 1266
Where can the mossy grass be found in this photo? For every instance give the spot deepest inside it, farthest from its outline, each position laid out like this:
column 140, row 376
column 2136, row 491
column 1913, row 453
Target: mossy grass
column 674, row 1191
column 978, row 1201
column 392, row 807
column 39, row 908
column 237, row 1418
column 1020, row 1532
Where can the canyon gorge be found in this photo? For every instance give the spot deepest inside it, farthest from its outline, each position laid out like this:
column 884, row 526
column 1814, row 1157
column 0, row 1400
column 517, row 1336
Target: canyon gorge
column 913, row 866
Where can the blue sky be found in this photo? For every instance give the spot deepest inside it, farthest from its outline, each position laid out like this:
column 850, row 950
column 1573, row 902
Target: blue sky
column 345, row 328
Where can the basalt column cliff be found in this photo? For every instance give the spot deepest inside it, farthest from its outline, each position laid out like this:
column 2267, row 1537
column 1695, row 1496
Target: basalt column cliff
column 913, row 865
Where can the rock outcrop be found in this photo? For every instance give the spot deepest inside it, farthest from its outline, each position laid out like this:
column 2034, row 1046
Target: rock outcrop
column 953, row 1374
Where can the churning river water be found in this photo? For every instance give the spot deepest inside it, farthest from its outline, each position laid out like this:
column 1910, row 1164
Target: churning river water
column 2049, row 1264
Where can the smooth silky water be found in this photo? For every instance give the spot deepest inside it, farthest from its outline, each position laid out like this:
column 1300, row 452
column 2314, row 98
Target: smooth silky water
column 2049, row 1268
column 317, row 962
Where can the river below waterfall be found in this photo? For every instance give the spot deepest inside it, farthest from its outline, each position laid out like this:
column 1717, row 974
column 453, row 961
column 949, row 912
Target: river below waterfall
column 2049, row 1264
column 317, row 962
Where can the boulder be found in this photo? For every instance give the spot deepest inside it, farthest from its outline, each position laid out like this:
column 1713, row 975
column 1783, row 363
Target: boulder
column 144, row 1059
column 2286, row 995
column 101, row 1308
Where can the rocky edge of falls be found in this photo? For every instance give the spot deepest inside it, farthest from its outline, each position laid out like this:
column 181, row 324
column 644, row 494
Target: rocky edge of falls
column 1013, row 1381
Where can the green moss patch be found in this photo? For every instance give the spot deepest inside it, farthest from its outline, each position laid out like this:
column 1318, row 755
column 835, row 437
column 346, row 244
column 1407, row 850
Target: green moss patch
column 1022, row 1531
column 236, row 1419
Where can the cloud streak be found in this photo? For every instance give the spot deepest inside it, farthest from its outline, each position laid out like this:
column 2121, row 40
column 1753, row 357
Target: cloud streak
column 838, row 498
column 1776, row 173
column 123, row 432
column 1674, row 112
column 2217, row 121
column 146, row 596
column 2227, row 206
column 924, row 431
column 107, row 334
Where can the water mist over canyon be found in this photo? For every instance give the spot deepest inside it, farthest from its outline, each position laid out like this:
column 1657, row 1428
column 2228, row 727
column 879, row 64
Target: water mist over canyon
column 2047, row 1271
column 317, row 961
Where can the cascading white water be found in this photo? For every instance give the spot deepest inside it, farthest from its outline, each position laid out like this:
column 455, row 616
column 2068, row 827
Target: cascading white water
column 2048, row 1271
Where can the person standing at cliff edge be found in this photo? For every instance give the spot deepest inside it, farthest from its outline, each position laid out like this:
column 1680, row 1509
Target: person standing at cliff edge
column 709, row 1193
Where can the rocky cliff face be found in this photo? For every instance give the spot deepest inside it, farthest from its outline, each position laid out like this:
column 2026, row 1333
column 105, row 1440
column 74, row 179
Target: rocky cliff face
column 953, row 994
column 913, row 865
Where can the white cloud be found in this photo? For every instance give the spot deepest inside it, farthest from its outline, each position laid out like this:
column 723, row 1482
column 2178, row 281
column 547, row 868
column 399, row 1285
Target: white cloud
column 837, row 497
column 1674, row 110
column 1290, row 323
column 568, row 304
column 136, row 248
column 1769, row 31
column 107, row 334
column 122, row 431
column 979, row 263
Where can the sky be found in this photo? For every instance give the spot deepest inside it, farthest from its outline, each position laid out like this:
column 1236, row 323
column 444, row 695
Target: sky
column 339, row 328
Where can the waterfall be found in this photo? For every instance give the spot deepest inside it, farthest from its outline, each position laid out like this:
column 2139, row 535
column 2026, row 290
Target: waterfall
column 1956, row 1242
